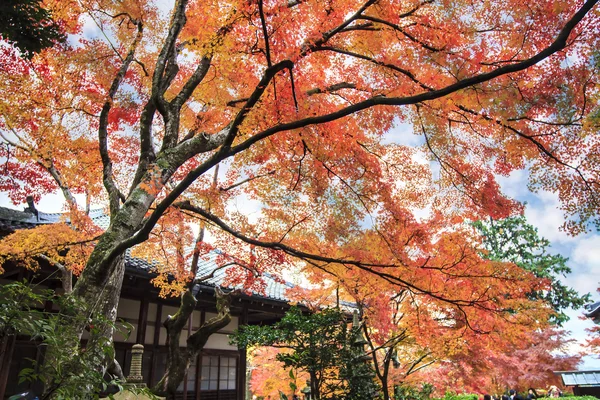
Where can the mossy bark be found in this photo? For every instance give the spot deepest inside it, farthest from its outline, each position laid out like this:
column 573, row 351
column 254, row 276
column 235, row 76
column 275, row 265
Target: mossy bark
column 178, row 359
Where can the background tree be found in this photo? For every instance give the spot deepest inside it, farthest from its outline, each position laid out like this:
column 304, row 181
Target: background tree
column 29, row 26
column 514, row 240
column 530, row 362
column 410, row 334
column 268, row 377
column 322, row 344
column 293, row 102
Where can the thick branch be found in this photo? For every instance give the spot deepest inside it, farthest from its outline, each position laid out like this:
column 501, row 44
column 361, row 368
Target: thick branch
column 147, row 154
column 331, row 33
column 198, row 339
column 114, row 194
column 332, row 88
column 192, row 82
column 66, row 277
column 253, row 99
column 559, row 44
column 177, row 22
column 265, row 33
column 399, row 29
column 64, row 188
column 373, row 268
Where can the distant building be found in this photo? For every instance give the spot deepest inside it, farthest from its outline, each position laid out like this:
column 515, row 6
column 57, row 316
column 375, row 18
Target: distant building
column 583, row 383
column 593, row 312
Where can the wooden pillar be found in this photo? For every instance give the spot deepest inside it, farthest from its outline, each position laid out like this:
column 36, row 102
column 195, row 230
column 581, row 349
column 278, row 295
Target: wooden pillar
column 142, row 322
column 199, row 359
column 185, row 380
column 241, row 379
column 6, row 351
column 157, row 325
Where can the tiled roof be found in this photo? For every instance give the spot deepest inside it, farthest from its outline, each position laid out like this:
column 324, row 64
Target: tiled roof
column 274, row 290
column 580, row 378
column 11, row 220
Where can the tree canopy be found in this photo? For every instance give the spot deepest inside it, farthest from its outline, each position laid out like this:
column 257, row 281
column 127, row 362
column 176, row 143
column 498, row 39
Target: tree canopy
column 198, row 112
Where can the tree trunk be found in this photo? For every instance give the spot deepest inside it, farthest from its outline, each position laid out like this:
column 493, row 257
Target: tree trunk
column 384, row 377
column 315, row 392
column 96, row 311
column 178, row 361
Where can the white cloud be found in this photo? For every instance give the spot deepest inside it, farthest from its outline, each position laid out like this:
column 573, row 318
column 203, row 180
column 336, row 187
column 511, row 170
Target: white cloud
column 514, row 185
column 583, row 251
column 587, row 252
column 403, row 133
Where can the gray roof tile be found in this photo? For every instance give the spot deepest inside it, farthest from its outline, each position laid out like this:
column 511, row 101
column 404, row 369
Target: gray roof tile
column 580, row 378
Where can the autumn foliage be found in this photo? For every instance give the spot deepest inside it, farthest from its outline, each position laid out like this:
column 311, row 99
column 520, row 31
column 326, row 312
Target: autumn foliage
column 269, row 377
column 278, row 126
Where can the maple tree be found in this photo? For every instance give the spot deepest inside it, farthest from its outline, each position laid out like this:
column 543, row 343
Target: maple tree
column 487, row 367
column 293, row 100
column 268, row 377
column 593, row 339
column 416, row 340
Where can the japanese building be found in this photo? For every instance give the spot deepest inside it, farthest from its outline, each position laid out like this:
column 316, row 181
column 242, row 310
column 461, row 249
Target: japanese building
column 219, row 371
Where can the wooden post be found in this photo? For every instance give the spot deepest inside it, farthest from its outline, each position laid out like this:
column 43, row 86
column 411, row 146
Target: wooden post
column 155, row 342
column 142, row 322
column 6, row 352
column 199, row 359
column 241, row 379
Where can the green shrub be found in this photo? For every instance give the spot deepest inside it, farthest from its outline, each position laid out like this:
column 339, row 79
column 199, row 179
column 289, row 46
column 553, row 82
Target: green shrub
column 571, row 397
column 462, row 396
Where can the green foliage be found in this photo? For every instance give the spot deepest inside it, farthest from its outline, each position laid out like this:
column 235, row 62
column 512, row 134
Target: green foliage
column 315, row 338
column 514, row 240
column 21, row 314
column 20, row 310
column 29, row 26
column 321, row 344
column 406, row 392
column 581, row 397
column 463, row 396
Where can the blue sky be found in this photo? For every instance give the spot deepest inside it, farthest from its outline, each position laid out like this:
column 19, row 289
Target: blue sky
column 583, row 251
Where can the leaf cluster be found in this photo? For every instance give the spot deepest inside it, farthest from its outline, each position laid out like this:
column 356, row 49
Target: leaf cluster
column 315, row 338
column 66, row 369
column 410, row 392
